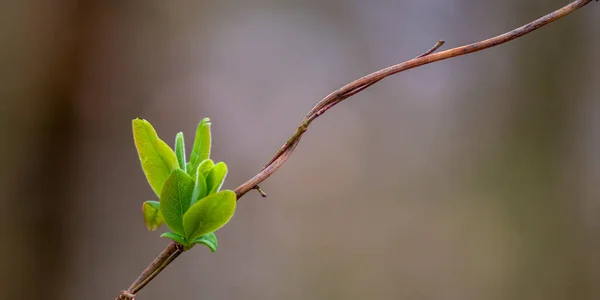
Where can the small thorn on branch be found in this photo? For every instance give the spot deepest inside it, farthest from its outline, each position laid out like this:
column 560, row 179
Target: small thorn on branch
column 260, row 191
column 437, row 45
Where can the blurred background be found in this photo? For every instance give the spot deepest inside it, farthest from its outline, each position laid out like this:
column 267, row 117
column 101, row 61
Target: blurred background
column 472, row 178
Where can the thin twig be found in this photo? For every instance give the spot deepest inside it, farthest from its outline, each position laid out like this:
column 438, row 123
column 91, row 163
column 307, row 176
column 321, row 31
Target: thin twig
column 173, row 250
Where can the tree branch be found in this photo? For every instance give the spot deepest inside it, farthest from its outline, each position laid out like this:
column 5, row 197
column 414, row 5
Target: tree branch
column 173, row 250
column 156, row 266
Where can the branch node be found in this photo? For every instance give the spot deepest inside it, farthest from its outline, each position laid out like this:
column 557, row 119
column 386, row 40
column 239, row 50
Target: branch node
column 304, row 126
column 125, row 295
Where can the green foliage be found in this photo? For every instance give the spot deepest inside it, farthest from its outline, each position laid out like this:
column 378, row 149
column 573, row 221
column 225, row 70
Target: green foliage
column 216, row 177
column 209, row 240
column 175, row 199
column 200, row 190
column 180, row 151
column 191, row 204
column 201, row 148
column 175, row 237
column 157, row 159
column 152, row 216
column 204, row 167
column 209, row 214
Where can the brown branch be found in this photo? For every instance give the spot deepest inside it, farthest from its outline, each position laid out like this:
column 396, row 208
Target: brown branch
column 156, row 266
column 173, row 250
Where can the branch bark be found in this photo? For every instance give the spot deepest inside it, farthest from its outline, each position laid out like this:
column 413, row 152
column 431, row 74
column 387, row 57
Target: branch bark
column 173, row 250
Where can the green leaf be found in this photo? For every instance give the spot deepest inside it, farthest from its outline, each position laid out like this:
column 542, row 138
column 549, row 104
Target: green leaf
column 152, row 216
column 157, row 159
column 209, row 240
column 204, row 167
column 180, row 150
column 216, row 177
column 209, row 214
column 201, row 148
column 175, row 237
column 200, row 190
column 175, row 200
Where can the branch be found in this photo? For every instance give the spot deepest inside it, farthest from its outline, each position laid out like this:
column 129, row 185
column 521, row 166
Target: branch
column 173, row 250
column 156, row 266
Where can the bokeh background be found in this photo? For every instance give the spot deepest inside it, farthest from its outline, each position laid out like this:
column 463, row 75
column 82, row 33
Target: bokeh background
column 472, row 178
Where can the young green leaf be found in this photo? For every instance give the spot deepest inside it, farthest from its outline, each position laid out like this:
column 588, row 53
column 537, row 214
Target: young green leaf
column 180, row 150
column 175, row 200
column 209, row 240
column 201, row 148
column 200, row 190
column 157, row 159
column 216, row 177
column 175, row 237
column 204, row 167
column 152, row 216
column 209, row 214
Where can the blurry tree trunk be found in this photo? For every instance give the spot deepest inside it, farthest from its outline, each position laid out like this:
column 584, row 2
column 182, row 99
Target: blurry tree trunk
column 527, row 169
column 39, row 77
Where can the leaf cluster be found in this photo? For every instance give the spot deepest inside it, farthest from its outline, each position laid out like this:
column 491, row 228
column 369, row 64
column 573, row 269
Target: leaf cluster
column 191, row 203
